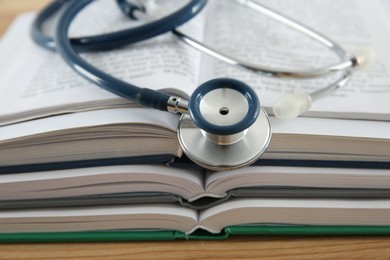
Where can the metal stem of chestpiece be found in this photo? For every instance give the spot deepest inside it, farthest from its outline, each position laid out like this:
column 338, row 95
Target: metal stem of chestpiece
column 177, row 105
column 225, row 139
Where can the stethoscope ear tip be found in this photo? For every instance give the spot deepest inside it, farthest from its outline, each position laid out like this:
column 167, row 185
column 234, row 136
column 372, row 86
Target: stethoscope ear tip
column 365, row 57
column 292, row 105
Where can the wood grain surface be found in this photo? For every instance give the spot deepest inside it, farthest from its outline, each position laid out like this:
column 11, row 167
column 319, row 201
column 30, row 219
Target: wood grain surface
column 246, row 247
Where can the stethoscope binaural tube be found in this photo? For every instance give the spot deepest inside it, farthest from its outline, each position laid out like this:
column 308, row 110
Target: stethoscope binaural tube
column 143, row 96
column 292, row 105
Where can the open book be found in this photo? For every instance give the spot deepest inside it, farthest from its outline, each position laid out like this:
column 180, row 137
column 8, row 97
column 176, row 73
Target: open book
column 149, row 218
column 105, row 127
column 140, row 184
column 47, row 86
column 139, row 135
column 154, row 202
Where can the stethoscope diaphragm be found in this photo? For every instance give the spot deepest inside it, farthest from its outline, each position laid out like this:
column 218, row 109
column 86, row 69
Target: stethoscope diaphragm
column 226, row 128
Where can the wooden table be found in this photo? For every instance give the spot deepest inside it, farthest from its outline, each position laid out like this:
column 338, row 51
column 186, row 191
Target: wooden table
column 272, row 247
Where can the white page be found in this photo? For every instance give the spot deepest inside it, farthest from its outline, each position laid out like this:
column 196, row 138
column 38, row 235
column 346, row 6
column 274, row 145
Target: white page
column 137, row 217
column 38, row 64
column 101, row 180
column 191, row 176
column 331, row 212
column 255, row 176
column 298, row 203
column 332, row 127
column 247, row 34
column 90, row 118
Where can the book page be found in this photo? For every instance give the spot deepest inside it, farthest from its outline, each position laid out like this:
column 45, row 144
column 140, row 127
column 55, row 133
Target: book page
column 314, row 177
column 99, row 181
column 98, row 134
column 243, row 32
column 36, row 82
column 332, row 212
column 150, row 217
column 132, row 117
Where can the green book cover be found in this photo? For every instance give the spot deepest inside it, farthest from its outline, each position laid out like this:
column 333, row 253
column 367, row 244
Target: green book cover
column 166, row 235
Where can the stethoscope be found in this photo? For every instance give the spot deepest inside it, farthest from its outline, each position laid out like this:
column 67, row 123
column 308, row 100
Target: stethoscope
column 222, row 125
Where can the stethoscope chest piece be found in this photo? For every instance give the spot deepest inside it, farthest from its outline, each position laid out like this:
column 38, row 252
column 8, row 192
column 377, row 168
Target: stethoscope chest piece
column 226, row 127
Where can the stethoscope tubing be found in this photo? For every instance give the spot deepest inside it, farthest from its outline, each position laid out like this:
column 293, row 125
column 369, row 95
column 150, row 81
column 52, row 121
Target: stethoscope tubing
column 347, row 61
column 116, row 39
column 170, row 23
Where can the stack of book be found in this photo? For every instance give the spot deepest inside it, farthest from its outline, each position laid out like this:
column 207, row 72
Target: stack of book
column 79, row 163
